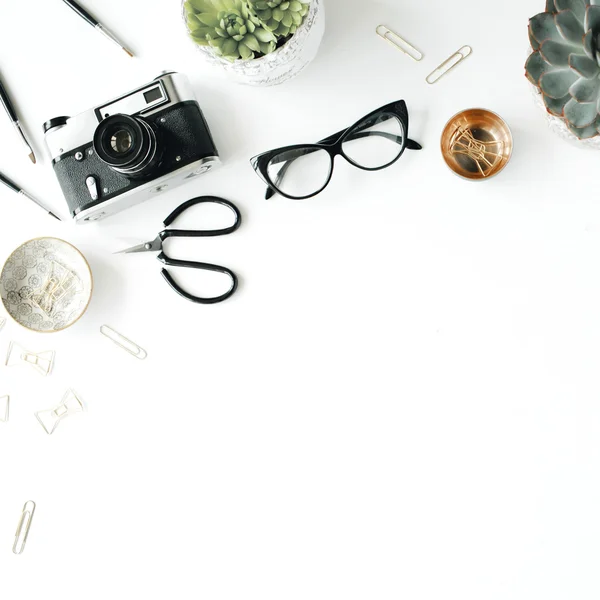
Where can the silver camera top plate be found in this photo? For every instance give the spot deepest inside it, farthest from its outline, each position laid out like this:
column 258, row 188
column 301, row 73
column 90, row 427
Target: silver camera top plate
column 79, row 130
column 139, row 102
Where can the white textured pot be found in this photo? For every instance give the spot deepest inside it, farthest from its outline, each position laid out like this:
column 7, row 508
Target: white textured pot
column 283, row 64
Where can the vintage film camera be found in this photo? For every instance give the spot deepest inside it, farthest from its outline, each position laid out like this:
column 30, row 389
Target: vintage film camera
column 123, row 152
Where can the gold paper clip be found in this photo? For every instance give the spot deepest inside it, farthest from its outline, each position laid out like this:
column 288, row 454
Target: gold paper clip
column 399, row 43
column 449, row 64
column 23, row 527
column 42, row 362
column 481, row 153
column 4, row 402
column 121, row 341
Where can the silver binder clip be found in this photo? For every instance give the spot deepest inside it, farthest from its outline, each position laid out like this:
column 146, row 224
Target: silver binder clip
column 42, row 362
column 449, row 64
column 399, row 43
column 23, row 527
column 121, row 341
column 69, row 405
column 4, row 405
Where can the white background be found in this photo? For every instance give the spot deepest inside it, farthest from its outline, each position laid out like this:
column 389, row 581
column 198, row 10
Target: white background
column 401, row 401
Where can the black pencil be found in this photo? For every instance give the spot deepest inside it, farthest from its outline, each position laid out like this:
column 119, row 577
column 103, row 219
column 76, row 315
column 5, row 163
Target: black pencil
column 84, row 14
column 15, row 188
column 12, row 113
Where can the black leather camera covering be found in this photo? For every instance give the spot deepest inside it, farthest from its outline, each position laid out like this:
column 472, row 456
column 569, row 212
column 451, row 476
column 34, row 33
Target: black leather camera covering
column 184, row 133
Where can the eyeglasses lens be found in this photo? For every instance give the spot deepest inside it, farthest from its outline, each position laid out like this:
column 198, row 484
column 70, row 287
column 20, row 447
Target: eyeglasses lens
column 376, row 142
column 300, row 172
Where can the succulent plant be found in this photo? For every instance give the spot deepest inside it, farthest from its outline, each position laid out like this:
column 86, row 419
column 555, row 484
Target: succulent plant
column 229, row 27
column 565, row 63
column 282, row 17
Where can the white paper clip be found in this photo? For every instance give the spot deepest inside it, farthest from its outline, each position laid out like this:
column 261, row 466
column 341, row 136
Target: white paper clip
column 4, row 406
column 42, row 362
column 449, row 64
column 2, row 321
column 69, row 405
column 23, row 527
column 401, row 44
column 121, row 341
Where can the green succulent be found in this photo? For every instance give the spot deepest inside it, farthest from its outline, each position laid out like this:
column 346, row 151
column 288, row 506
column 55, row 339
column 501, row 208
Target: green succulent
column 229, row 27
column 565, row 63
column 282, row 17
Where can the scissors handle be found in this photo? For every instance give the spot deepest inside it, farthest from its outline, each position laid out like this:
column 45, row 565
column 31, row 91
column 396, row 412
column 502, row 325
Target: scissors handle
column 167, row 233
column 172, row 262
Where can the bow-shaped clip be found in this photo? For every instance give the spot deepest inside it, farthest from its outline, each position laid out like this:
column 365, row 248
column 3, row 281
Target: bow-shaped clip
column 69, row 405
column 42, row 362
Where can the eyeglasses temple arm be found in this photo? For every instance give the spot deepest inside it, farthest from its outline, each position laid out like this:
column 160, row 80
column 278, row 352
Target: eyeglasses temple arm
column 333, row 138
column 336, row 136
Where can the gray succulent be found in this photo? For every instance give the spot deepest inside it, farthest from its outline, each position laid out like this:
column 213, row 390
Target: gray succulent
column 565, row 63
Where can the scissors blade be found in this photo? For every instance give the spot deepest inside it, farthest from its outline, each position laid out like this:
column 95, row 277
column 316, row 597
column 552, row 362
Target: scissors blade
column 154, row 246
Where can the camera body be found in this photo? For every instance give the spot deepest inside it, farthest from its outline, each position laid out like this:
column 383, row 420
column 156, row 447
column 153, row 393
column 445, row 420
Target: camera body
column 130, row 149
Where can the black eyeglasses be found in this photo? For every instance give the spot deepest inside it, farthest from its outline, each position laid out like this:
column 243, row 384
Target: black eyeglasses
column 373, row 143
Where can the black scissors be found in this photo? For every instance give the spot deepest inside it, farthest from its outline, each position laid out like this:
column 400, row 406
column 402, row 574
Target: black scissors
column 157, row 246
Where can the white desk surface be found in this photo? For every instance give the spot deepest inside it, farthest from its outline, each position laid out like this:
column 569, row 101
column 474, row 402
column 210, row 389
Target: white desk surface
column 401, row 401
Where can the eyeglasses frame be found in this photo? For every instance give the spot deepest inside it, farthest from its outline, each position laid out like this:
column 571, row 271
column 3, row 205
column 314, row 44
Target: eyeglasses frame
column 333, row 145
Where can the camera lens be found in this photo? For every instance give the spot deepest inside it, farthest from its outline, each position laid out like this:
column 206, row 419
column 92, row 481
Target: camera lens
column 129, row 145
column 121, row 141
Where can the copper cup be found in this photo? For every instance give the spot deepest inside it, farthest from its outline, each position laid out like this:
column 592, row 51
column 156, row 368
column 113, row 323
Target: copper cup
column 476, row 144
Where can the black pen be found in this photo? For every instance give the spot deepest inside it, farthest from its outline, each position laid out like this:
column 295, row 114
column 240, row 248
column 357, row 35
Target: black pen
column 10, row 109
column 84, row 14
column 15, row 188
